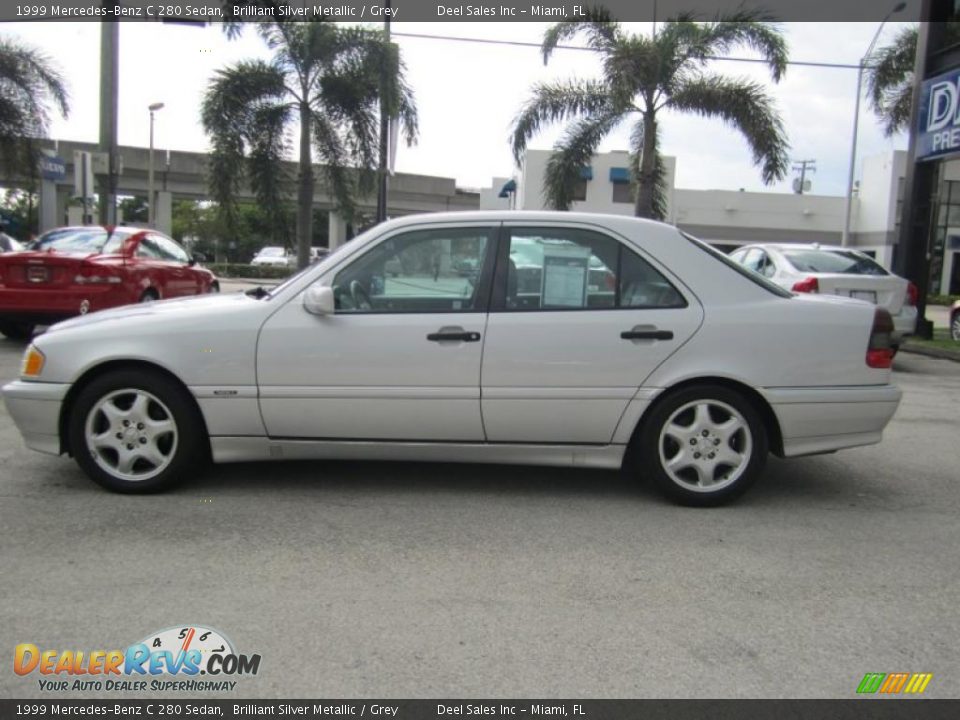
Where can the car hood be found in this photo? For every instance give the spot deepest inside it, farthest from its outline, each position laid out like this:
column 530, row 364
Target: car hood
column 194, row 307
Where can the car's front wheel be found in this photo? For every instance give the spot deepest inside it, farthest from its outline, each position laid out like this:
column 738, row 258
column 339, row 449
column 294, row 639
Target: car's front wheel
column 136, row 431
column 703, row 445
column 955, row 326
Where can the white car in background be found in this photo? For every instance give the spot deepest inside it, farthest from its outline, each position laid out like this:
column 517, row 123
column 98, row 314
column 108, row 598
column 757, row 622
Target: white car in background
column 830, row 270
column 273, row 257
column 685, row 368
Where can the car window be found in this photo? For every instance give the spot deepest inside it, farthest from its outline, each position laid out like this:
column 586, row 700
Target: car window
column 79, row 240
column 832, row 261
column 419, row 271
column 148, row 248
column 757, row 279
column 573, row 269
column 169, row 249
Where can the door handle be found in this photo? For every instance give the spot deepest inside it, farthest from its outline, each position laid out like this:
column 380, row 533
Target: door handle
column 646, row 332
column 454, row 336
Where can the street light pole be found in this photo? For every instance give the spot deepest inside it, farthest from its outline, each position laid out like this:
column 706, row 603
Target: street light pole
column 384, row 127
column 845, row 238
column 151, row 213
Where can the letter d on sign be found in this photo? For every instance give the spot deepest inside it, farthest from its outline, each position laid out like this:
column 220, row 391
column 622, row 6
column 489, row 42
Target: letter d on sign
column 943, row 105
column 25, row 658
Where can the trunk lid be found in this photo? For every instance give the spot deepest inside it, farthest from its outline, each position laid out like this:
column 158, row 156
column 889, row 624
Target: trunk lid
column 42, row 270
column 886, row 291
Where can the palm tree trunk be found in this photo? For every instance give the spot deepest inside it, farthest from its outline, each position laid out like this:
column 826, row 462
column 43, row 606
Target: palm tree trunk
column 305, row 190
column 646, row 177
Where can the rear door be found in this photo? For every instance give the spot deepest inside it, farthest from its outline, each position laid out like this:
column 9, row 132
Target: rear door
column 578, row 320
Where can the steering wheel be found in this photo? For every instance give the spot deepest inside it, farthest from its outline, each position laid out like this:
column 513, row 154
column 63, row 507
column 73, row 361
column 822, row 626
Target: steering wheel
column 361, row 300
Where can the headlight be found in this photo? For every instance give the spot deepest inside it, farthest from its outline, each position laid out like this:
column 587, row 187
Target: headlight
column 33, row 361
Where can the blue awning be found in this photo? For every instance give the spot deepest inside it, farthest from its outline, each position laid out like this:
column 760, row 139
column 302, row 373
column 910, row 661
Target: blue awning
column 510, row 186
column 620, row 175
column 586, row 172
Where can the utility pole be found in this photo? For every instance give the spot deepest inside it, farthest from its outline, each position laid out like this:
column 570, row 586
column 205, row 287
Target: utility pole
column 109, row 40
column 802, row 167
column 384, row 126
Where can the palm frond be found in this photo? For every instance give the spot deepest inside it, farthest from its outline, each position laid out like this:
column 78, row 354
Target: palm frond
column 552, row 102
column 336, row 171
column 601, row 32
column 244, row 109
column 749, row 28
column 890, row 80
column 745, row 106
column 29, row 85
column 574, row 151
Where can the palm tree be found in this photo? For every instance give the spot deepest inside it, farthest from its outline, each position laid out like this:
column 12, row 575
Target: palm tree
column 890, row 80
column 324, row 77
column 643, row 75
column 29, row 85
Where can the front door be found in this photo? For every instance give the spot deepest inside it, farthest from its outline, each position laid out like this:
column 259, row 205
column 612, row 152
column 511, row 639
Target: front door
column 400, row 357
column 578, row 320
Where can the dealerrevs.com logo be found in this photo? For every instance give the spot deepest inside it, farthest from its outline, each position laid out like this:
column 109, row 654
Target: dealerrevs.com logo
column 192, row 658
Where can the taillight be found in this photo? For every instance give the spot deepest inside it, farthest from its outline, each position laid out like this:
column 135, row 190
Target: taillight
column 913, row 295
column 807, row 285
column 880, row 350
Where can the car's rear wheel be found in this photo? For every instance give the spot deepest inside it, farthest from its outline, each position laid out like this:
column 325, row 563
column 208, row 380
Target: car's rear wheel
column 214, row 287
column 136, row 432
column 17, row 330
column 149, row 296
column 955, row 326
column 703, row 445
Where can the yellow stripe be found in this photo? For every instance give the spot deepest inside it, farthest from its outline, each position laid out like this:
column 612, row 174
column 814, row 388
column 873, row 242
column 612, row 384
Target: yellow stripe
column 927, row 677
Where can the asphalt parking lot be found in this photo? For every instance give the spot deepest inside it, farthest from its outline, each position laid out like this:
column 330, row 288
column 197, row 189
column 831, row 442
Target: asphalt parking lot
column 414, row 580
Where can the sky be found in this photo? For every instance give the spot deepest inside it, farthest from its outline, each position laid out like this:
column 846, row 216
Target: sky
column 468, row 95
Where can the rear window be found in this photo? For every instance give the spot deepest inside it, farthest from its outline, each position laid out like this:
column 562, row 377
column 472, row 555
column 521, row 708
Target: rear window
column 755, row 278
column 79, row 240
column 846, row 262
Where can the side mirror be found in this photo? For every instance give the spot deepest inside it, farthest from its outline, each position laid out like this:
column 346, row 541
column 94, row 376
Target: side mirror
column 318, row 300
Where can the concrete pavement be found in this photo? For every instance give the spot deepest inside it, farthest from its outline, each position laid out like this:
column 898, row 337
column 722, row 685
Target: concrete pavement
column 415, row 580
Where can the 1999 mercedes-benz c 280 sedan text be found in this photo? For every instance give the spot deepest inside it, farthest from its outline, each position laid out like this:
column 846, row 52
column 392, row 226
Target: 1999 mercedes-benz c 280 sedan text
column 630, row 344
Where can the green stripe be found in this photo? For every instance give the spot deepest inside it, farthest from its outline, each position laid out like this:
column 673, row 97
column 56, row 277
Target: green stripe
column 871, row 682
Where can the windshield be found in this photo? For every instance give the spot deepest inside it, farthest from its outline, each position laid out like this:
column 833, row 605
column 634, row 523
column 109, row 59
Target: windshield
column 79, row 240
column 271, row 252
column 832, row 261
column 333, row 255
column 754, row 277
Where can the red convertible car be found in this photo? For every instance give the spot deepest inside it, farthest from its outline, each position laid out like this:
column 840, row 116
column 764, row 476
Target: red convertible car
column 75, row 270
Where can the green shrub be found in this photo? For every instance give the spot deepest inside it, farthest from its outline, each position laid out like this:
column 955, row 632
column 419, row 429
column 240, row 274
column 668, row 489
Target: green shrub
column 947, row 300
column 257, row 272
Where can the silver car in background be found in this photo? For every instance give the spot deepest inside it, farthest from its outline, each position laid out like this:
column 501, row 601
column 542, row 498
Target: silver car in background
column 831, row 270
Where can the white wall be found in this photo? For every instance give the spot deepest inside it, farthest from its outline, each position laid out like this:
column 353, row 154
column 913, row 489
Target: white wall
column 599, row 189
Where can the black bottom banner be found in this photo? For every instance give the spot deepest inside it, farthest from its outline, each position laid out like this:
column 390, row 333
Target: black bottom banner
column 875, row 709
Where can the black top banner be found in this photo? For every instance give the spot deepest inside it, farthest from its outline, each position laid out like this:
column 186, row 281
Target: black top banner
column 915, row 709
column 198, row 11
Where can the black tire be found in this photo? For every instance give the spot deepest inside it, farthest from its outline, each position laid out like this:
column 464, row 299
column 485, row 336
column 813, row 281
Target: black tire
column 17, row 330
column 955, row 326
column 689, row 483
column 214, row 287
column 149, row 295
column 184, row 454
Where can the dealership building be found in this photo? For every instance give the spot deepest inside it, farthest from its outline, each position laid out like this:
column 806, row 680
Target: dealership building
column 730, row 218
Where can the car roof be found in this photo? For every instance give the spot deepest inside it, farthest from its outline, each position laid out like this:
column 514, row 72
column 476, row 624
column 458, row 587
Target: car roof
column 800, row 246
column 115, row 228
column 520, row 216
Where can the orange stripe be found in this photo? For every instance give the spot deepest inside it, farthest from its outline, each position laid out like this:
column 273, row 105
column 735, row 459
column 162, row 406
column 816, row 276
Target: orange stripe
column 187, row 639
